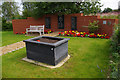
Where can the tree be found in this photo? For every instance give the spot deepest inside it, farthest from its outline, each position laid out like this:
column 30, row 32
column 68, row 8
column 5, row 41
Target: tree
column 67, row 8
column 6, row 26
column 27, row 9
column 10, row 10
column 38, row 9
column 106, row 10
column 54, row 8
column 90, row 7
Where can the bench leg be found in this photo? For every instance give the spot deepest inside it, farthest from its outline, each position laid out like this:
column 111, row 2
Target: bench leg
column 43, row 32
column 40, row 32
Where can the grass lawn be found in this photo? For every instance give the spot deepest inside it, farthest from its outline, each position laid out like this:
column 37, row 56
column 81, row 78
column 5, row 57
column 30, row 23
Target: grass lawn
column 8, row 37
column 86, row 54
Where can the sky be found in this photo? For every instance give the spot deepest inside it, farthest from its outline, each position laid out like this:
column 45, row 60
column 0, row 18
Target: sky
column 113, row 4
column 110, row 3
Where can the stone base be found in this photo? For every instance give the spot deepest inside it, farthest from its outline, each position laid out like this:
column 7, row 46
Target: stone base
column 46, row 65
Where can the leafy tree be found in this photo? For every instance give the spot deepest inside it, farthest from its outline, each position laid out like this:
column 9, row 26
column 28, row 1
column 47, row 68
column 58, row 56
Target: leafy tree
column 28, row 9
column 9, row 10
column 55, row 7
column 38, row 9
column 90, row 7
column 6, row 26
column 0, row 9
column 106, row 10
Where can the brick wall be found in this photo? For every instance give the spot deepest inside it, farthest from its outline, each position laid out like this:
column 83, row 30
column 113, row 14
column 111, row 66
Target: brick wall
column 20, row 25
column 107, row 28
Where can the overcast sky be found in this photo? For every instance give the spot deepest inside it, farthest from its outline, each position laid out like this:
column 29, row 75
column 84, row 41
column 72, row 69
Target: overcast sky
column 106, row 3
column 110, row 3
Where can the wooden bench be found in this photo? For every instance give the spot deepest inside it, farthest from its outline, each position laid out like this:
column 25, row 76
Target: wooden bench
column 35, row 29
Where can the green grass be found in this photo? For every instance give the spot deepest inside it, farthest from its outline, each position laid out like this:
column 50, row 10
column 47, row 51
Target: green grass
column 86, row 54
column 8, row 37
column 109, row 17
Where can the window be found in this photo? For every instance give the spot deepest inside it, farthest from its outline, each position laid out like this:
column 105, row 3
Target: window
column 61, row 22
column 73, row 23
column 104, row 22
column 109, row 22
column 47, row 22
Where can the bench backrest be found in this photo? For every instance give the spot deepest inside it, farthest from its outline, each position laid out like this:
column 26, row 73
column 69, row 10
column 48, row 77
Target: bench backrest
column 33, row 27
column 36, row 27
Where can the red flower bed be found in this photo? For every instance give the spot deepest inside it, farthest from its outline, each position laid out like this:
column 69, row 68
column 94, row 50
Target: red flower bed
column 83, row 34
column 48, row 31
column 20, row 33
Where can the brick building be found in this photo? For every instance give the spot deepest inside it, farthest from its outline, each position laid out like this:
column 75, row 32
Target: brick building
column 65, row 22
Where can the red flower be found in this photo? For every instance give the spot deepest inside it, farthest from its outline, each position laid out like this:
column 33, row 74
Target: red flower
column 81, row 35
column 23, row 32
column 38, row 40
column 70, row 33
column 78, row 34
column 95, row 36
column 62, row 32
column 102, row 37
column 107, row 37
column 16, row 32
column 87, row 33
column 74, row 35
column 59, row 33
column 91, row 36
column 45, row 31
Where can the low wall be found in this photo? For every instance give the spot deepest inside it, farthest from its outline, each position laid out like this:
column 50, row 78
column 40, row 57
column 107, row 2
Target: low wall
column 20, row 25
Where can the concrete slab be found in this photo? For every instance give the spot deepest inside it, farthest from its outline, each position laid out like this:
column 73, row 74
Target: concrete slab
column 46, row 65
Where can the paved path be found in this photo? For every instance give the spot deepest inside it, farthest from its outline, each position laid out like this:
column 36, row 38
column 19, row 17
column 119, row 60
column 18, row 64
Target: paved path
column 12, row 47
column 19, row 45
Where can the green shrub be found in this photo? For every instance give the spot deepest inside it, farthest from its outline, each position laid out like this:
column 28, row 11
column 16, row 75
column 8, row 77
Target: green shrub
column 93, row 26
column 115, row 74
column 6, row 26
column 106, row 10
column 115, row 65
column 114, row 41
column 115, row 47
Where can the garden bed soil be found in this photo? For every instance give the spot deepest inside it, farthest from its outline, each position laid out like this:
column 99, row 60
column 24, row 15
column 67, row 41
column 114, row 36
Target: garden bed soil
column 48, row 40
